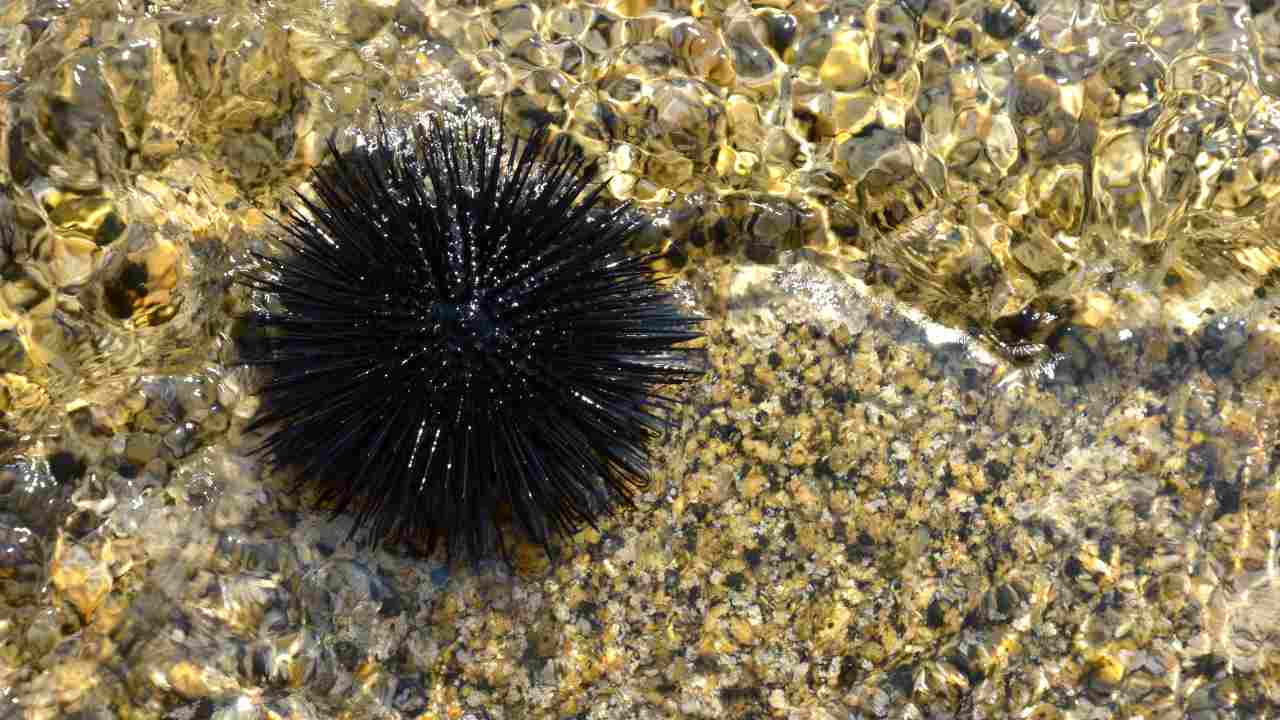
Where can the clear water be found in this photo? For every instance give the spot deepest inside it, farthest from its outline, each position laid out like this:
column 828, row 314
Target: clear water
column 990, row 426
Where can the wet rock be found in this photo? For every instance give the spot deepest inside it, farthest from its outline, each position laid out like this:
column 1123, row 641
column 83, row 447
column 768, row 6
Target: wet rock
column 21, row 559
column 196, row 681
column 142, row 285
column 80, row 578
column 34, row 495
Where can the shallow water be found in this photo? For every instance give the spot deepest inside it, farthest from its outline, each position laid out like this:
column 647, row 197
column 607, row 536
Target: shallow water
column 990, row 426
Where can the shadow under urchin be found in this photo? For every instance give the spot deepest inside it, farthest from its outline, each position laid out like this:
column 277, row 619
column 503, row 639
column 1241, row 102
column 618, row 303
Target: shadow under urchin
column 457, row 331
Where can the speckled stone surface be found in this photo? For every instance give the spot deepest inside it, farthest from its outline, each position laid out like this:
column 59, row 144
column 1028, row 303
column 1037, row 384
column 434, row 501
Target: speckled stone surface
column 989, row 429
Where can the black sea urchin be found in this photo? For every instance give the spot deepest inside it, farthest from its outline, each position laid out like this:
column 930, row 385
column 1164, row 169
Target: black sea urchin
column 453, row 331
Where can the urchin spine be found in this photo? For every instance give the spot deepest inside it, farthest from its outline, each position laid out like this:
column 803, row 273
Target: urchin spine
column 456, row 327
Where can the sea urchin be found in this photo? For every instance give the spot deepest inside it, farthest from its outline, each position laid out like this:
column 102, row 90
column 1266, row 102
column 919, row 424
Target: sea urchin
column 457, row 331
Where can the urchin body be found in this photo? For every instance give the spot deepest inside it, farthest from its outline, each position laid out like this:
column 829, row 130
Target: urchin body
column 456, row 328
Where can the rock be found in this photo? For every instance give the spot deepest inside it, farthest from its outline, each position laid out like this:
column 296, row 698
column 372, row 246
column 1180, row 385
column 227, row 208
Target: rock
column 79, row 578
